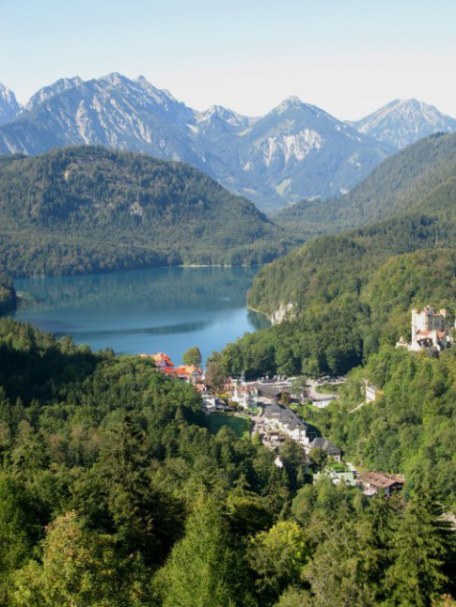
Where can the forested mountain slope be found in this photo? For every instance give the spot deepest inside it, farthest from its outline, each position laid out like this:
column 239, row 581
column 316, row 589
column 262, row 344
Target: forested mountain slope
column 344, row 301
column 420, row 178
column 410, row 428
column 88, row 209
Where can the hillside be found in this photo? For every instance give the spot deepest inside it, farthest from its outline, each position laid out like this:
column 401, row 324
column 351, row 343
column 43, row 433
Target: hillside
column 420, row 178
column 87, row 209
column 331, row 318
column 294, row 151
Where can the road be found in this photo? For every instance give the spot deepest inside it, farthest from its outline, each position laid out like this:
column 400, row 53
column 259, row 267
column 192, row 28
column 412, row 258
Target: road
column 312, row 393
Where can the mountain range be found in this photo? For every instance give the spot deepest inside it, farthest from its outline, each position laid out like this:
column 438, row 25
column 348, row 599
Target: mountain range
column 297, row 151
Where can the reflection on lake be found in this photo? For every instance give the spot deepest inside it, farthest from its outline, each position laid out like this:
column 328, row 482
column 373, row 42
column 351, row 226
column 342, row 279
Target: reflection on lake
column 162, row 309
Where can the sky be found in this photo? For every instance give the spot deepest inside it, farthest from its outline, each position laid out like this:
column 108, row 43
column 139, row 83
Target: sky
column 349, row 57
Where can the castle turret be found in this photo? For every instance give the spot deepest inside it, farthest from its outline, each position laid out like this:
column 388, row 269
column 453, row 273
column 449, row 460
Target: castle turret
column 429, row 329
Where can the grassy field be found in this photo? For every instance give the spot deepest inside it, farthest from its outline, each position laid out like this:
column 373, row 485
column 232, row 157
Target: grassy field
column 338, row 467
column 239, row 425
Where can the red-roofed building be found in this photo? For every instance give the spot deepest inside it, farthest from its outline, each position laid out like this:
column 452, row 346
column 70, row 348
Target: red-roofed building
column 375, row 482
column 162, row 360
column 189, row 373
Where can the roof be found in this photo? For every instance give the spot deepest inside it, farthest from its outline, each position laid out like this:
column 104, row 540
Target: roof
column 424, row 332
column 188, row 370
column 284, row 416
column 162, row 359
column 430, row 311
column 325, row 444
column 271, row 391
column 382, row 481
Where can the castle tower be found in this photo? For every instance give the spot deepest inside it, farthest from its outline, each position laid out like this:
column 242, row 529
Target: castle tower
column 429, row 328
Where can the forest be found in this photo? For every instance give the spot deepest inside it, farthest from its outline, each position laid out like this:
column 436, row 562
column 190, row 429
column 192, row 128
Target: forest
column 8, row 298
column 113, row 492
column 88, row 209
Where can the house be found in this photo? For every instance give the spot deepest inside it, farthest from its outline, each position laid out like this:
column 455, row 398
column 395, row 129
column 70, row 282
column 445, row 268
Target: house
column 327, row 446
column 189, row 373
column 212, row 404
column 322, row 403
column 251, row 393
column 244, row 393
column 161, row 360
column 272, row 393
column 373, row 483
column 281, row 419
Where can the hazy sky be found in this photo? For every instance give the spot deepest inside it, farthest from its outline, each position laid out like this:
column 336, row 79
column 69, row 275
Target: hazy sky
column 347, row 56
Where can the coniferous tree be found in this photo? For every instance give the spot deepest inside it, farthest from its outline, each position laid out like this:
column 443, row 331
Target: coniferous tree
column 202, row 568
column 192, row 356
column 420, row 546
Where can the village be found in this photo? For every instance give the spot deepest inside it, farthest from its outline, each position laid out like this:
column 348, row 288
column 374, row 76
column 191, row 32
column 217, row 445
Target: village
column 270, row 405
column 267, row 403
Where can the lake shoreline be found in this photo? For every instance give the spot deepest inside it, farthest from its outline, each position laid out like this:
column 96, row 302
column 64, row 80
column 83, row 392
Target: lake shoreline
column 144, row 311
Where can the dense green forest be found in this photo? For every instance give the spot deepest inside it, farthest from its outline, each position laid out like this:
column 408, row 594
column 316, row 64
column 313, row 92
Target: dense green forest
column 411, row 426
column 87, row 209
column 113, row 492
column 7, row 294
column 419, row 178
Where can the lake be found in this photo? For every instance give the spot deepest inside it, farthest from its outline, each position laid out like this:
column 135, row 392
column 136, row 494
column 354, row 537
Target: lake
column 157, row 310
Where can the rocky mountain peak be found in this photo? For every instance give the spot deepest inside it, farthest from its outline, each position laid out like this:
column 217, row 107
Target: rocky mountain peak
column 47, row 92
column 404, row 121
column 223, row 114
column 9, row 106
column 290, row 103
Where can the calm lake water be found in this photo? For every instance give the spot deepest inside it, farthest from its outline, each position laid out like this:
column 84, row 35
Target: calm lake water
column 162, row 309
